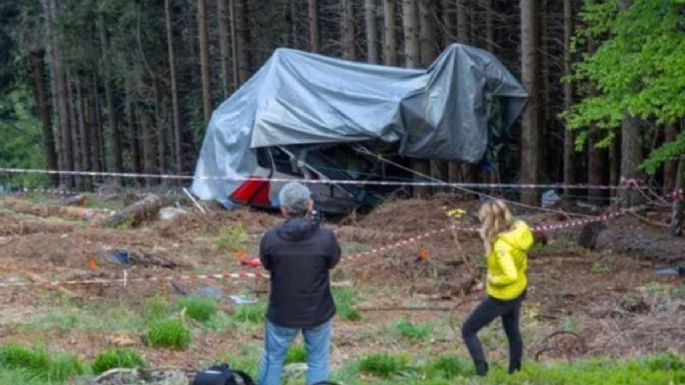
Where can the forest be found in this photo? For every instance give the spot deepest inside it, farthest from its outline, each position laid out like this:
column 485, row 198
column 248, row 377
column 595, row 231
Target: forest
column 129, row 85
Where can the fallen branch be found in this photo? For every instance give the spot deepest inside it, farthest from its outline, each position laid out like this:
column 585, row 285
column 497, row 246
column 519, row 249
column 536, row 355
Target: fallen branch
column 134, row 214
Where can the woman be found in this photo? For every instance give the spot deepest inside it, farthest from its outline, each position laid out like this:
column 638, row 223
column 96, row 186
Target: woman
column 506, row 242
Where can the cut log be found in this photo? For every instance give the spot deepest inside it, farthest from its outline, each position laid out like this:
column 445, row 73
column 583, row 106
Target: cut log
column 134, row 214
column 44, row 210
column 640, row 244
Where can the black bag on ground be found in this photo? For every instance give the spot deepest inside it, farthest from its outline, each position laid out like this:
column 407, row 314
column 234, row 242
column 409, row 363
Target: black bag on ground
column 221, row 375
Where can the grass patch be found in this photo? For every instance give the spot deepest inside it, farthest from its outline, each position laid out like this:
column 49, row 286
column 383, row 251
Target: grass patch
column 250, row 313
column 37, row 364
column 447, row 367
column 345, row 300
column 169, row 333
column 412, row 331
column 296, row 353
column 200, row 309
column 220, row 323
column 384, row 365
column 155, row 308
column 232, row 238
column 117, row 358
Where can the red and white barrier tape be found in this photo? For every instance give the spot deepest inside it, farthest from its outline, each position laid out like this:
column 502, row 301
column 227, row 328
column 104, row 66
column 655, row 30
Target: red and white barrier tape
column 125, row 279
column 244, row 275
column 623, row 186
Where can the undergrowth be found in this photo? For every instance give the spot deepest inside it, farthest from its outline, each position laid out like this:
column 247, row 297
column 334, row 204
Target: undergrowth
column 250, row 313
column 36, row 365
column 117, row 358
column 200, row 309
column 345, row 300
column 412, row 331
column 232, row 238
column 169, row 333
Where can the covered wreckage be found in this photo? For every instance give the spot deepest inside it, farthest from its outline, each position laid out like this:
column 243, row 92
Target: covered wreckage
column 307, row 100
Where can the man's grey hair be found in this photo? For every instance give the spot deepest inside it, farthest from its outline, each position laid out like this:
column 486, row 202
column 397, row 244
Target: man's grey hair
column 294, row 197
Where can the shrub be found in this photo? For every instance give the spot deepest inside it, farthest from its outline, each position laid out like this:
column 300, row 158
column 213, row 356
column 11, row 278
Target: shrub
column 170, row 333
column 200, row 309
column 383, row 365
column 155, row 308
column 345, row 299
column 231, row 238
column 117, row 358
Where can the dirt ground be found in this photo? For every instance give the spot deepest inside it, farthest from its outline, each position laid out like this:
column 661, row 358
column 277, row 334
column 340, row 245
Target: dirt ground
column 615, row 303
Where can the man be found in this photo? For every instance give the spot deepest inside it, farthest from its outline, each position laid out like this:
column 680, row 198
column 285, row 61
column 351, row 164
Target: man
column 299, row 253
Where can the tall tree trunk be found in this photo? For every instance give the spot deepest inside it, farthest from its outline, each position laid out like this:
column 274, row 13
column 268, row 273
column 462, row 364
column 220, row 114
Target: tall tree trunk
column 112, row 112
column 223, row 42
column 615, row 163
column 551, row 164
column 631, row 157
column 98, row 140
column 347, row 29
column 73, row 132
column 159, row 124
column 678, row 214
column 59, row 94
column 671, row 165
column 489, row 30
column 242, row 40
column 133, row 130
column 204, row 58
column 597, row 165
column 314, row 34
column 234, row 43
column 569, row 140
column 390, row 35
column 84, row 145
column 447, row 19
column 463, row 21
column 530, row 124
column 371, row 31
column 38, row 65
column 410, row 20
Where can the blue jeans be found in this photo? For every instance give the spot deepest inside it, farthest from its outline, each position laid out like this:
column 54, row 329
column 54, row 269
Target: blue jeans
column 277, row 339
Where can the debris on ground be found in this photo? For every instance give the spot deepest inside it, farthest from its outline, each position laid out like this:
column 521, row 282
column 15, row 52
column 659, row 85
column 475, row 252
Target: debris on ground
column 135, row 214
column 170, row 213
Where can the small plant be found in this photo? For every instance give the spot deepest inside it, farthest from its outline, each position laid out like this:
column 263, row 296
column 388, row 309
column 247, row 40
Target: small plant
column 231, row 238
column 383, row 365
column 296, row 354
column 345, row 300
column 446, row 367
column 569, row 324
column 170, row 333
column 155, row 308
column 200, row 309
column 117, row 358
column 599, row 267
column 37, row 363
column 412, row 331
column 251, row 313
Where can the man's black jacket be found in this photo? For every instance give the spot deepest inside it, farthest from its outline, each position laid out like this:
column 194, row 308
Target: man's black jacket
column 299, row 253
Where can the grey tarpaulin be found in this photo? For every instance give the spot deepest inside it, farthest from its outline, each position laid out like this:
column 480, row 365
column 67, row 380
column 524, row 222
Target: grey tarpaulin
column 304, row 98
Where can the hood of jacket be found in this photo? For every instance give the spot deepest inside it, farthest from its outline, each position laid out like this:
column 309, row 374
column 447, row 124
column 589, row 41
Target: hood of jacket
column 297, row 229
column 520, row 236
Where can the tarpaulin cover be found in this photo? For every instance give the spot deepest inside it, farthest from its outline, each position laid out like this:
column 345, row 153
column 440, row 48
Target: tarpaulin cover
column 303, row 98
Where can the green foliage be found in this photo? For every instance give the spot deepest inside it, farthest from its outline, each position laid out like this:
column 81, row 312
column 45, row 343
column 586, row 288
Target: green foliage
column 198, row 308
column 296, row 353
column 117, row 358
column 169, row 333
column 155, row 308
column 250, row 313
column 638, row 69
column 412, row 331
column 345, row 300
column 38, row 364
column 384, row 365
column 232, row 238
column 447, row 367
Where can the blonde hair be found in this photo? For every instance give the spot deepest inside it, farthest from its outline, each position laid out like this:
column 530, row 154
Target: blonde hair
column 495, row 218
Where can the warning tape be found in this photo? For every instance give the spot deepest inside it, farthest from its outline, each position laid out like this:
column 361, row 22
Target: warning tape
column 125, row 279
column 634, row 185
column 243, row 275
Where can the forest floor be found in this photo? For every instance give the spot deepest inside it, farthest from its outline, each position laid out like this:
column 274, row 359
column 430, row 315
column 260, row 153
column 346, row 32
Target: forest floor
column 403, row 301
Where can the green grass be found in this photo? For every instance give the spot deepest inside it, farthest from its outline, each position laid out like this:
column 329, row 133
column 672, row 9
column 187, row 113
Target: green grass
column 27, row 365
column 113, row 319
column 296, row 353
column 250, row 313
column 384, row 365
column 117, row 358
column 345, row 301
column 200, row 309
column 155, row 308
column 412, row 331
column 169, row 333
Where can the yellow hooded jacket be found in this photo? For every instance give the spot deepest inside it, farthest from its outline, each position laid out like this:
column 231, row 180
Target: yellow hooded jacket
column 508, row 261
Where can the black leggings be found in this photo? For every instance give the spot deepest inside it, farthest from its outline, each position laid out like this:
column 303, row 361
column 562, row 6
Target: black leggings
column 485, row 313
